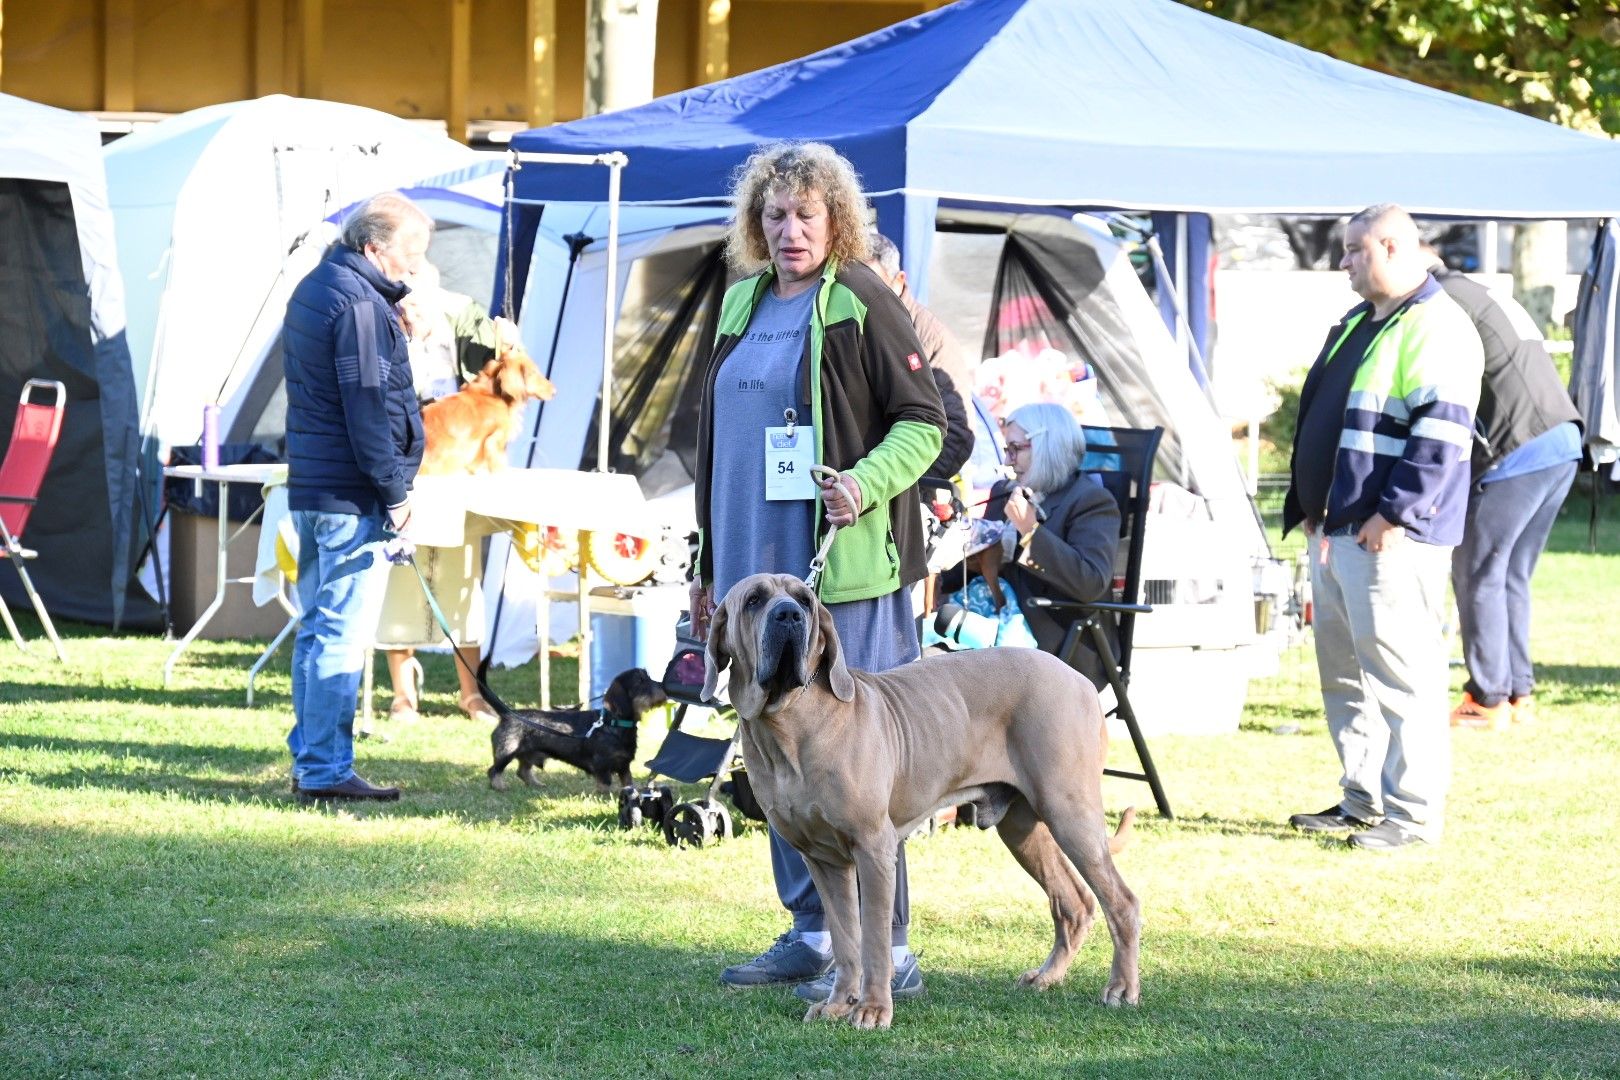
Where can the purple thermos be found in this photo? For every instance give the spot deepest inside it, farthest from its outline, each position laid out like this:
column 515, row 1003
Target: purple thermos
column 210, row 437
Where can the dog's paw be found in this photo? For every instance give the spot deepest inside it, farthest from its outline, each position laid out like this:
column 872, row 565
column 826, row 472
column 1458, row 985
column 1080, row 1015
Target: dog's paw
column 1119, row 992
column 1039, row 979
column 530, row 778
column 498, row 782
column 828, row 1010
column 872, row 1016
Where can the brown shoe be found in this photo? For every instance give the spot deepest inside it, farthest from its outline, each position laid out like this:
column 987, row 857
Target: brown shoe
column 1524, row 709
column 1471, row 714
column 352, row 789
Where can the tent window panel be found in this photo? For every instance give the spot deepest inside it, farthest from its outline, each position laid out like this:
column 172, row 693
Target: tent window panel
column 663, row 336
column 1054, row 319
column 466, row 259
column 44, row 300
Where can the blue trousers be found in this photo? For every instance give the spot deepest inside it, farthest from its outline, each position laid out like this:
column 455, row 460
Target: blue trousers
column 1508, row 525
column 876, row 635
column 341, row 584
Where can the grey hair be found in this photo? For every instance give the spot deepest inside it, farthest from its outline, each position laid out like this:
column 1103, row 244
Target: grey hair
column 1393, row 219
column 376, row 220
column 1056, row 444
column 885, row 255
column 801, row 168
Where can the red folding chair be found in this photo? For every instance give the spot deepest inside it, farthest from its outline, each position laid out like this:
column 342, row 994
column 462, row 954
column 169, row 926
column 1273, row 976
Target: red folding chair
column 33, row 441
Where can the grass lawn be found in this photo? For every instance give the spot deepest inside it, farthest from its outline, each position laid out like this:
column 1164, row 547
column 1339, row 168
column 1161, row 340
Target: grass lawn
column 166, row 909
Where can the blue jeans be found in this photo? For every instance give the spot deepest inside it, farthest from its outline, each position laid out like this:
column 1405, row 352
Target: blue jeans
column 1508, row 525
column 341, row 583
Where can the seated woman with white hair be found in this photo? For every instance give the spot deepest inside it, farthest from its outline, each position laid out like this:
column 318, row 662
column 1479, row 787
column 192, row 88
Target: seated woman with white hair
column 1067, row 524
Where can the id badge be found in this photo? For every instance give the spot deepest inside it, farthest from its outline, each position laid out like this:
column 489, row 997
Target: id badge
column 789, row 453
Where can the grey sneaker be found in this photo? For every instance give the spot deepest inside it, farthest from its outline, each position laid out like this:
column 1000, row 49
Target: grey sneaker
column 907, row 983
column 789, row 960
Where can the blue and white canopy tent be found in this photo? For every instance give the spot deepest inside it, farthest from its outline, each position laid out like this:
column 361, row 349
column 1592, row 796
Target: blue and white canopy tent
column 1150, row 105
column 1043, row 106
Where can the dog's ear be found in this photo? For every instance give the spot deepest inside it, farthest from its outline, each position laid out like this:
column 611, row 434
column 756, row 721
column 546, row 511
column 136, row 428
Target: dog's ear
column 832, row 653
column 616, row 701
column 509, row 381
column 715, row 657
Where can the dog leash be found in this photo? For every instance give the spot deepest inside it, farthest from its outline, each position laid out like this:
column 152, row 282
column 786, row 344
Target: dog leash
column 818, row 562
column 506, row 712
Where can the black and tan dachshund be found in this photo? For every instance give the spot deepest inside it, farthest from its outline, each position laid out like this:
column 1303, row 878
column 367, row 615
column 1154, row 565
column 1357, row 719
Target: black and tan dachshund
column 601, row 742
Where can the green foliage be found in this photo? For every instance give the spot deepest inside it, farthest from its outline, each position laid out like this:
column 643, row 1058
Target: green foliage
column 1555, row 59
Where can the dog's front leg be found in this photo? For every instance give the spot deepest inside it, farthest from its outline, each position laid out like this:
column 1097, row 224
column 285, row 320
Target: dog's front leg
column 835, row 884
column 874, row 868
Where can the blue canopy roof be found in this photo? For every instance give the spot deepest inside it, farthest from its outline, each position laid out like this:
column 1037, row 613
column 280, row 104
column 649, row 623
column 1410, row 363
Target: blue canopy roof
column 1148, row 104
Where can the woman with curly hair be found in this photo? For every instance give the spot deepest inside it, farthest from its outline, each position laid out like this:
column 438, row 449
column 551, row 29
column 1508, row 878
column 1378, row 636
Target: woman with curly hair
column 815, row 362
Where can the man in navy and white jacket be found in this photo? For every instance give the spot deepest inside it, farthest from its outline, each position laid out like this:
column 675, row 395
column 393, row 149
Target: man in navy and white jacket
column 354, row 441
column 1380, row 484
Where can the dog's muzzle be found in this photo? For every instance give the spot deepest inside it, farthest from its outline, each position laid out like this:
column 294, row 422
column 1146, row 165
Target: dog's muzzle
column 784, row 643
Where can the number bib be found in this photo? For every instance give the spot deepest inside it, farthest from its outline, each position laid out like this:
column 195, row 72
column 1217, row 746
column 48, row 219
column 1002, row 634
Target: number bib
column 789, row 453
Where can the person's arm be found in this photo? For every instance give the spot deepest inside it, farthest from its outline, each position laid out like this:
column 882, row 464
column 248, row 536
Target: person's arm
column 958, row 440
column 909, row 401
column 1075, row 556
column 1442, row 366
column 476, row 337
column 360, row 355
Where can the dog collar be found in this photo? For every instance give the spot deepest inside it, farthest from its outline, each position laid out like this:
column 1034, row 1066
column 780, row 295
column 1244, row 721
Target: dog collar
column 605, row 717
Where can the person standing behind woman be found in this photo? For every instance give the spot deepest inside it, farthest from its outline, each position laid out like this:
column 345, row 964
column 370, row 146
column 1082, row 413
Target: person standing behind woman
column 815, row 362
column 1067, row 524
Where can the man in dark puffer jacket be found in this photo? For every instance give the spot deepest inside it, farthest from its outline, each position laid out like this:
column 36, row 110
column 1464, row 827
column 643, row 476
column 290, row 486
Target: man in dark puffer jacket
column 354, row 440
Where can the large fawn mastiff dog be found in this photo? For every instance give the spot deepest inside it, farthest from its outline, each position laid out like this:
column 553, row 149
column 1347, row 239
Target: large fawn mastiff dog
column 845, row 763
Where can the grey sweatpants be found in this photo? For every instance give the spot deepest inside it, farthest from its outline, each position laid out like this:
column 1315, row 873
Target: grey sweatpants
column 1381, row 654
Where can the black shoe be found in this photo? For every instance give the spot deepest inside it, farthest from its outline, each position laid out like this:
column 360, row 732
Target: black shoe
column 352, row 788
column 1385, row 836
column 1333, row 819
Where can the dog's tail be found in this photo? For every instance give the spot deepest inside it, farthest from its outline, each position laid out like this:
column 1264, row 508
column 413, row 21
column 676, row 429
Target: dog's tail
column 502, row 709
column 1122, row 835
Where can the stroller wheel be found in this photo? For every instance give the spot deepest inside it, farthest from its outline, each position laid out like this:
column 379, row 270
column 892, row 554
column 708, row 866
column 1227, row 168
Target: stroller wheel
column 719, row 818
column 657, row 803
column 688, row 826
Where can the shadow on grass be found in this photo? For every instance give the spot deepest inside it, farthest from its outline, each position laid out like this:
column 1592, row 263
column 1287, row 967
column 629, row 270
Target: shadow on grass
column 175, row 954
column 233, row 773
column 112, row 696
column 1576, row 684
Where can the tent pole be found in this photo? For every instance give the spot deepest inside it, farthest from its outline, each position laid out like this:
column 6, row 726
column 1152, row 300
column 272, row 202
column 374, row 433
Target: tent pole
column 610, row 303
column 615, row 163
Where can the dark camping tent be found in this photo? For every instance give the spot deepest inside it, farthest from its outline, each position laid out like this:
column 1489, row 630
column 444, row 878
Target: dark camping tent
column 62, row 318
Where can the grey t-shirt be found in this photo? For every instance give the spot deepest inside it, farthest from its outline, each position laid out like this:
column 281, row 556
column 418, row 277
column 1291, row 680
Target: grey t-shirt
column 755, row 384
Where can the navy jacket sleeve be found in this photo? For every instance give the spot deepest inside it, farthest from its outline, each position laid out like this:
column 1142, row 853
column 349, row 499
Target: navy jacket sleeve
column 360, row 354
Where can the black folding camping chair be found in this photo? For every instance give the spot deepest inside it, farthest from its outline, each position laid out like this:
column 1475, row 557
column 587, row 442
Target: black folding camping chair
column 1122, row 460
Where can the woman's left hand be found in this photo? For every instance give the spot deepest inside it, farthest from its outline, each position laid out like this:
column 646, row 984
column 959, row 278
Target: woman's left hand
column 841, row 496
column 1021, row 511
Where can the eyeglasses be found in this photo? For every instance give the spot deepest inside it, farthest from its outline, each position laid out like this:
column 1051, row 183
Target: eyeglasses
column 1016, row 448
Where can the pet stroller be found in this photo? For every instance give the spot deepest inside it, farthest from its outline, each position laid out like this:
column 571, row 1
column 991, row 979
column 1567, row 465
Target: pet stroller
column 690, row 759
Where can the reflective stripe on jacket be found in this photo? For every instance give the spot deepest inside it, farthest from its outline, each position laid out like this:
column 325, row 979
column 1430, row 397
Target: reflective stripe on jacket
column 1408, row 425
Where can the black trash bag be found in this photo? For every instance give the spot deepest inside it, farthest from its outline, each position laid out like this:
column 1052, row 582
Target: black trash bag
column 189, row 497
